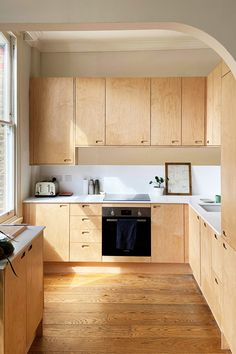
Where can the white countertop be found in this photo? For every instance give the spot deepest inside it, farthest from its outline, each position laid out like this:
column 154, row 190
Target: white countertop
column 22, row 241
column 213, row 219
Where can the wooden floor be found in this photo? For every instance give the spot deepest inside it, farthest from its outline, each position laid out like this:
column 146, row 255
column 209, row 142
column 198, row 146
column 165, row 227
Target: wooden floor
column 126, row 314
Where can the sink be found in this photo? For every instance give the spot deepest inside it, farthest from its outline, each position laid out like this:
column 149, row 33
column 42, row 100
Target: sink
column 211, row 208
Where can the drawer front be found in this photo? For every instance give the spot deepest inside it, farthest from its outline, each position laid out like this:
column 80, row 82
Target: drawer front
column 217, row 255
column 85, row 223
column 77, row 235
column 85, row 209
column 85, row 252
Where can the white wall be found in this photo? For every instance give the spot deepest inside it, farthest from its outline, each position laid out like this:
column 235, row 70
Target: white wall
column 129, row 179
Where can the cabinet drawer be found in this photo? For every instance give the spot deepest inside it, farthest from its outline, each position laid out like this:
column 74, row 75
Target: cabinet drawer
column 85, row 222
column 85, row 252
column 85, row 209
column 77, row 235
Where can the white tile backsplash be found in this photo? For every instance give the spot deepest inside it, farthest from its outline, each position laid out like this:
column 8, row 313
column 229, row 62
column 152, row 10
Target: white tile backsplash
column 129, row 179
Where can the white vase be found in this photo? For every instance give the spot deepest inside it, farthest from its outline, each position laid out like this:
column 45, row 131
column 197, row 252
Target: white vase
column 157, row 192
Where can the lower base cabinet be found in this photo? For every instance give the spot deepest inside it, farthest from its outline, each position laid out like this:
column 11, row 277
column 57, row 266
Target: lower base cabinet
column 229, row 296
column 168, row 233
column 21, row 307
column 195, row 244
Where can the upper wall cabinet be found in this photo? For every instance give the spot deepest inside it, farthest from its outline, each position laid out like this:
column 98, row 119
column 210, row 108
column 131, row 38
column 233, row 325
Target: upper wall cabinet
column 51, row 121
column 90, row 111
column 166, row 111
column 193, row 110
column 213, row 117
column 127, row 111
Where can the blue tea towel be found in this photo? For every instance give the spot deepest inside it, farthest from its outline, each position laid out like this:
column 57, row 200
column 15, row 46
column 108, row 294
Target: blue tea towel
column 126, row 234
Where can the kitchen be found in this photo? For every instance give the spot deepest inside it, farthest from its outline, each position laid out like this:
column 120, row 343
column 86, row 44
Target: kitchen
column 119, row 175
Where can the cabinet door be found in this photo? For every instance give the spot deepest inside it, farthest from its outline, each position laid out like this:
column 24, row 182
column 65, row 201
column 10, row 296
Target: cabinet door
column 206, row 261
column 195, row 244
column 56, row 235
column 228, row 163
column 51, row 121
column 15, row 306
column 127, row 111
column 166, row 111
column 34, row 287
column 229, row 296
column 217, row 255
column 213, row 116
column 193, row 110
column 90, row 111
column 168, row 233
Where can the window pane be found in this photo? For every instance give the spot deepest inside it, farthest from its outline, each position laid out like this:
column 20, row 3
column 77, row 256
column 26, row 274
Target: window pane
column 4, row 78
column 6, row 169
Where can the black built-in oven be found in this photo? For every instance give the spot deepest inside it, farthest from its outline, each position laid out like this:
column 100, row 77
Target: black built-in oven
column 112, row 216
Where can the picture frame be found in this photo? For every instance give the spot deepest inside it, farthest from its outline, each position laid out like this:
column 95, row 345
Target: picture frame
column 178, row 178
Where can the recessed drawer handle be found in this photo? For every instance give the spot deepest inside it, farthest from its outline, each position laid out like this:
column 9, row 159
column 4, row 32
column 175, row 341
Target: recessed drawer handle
column 23, row 254
column 85, row 219
column 216, row 281
column 63, row 205
column 85, row 232
column 224, row 246
column 198, row 141
column 83, row 246
column 156, row 206
column 205, row 224
column 224, row 233
column 99, row 141
column 198, row 217
column 174, row 141
column 144, row 141
column 67, row 160
column 216, row 237
column 30, row 248
column 85, row 205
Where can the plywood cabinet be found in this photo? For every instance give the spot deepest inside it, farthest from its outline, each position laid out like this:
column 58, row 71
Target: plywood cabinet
column 195, row 244
column 193, row 110
column 85, row 233
column 56, row 236
column 206, row 261
column 224, row 68
column 213, row 116
column 228, row 165
column 229, row 291
column 168, row 233
column 90, row 111
column 51, row 121
column 166, row 111
column 127, row 111
column 21, row 308
column 15, row 306
column 34, row 288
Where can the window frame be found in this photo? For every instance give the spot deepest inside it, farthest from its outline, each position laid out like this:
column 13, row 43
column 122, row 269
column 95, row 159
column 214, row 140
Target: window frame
column 10, row 119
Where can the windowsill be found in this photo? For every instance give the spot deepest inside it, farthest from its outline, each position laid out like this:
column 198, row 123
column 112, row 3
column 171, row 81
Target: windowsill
column 13, row 220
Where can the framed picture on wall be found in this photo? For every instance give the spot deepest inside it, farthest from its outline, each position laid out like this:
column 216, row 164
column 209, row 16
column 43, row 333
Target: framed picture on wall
column 178, row 178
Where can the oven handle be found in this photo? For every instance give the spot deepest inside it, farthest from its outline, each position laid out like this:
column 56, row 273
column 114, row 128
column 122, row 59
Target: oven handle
column 115, row 220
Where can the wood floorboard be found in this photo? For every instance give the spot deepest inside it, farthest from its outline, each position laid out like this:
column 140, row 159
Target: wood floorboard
column 126, row 314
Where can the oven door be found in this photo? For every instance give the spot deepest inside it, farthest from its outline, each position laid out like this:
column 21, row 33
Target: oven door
column 142, row 246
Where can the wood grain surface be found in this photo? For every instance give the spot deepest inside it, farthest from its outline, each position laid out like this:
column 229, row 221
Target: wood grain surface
column 126, row 313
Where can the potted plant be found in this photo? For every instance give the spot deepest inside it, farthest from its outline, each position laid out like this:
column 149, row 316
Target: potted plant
column 158, row 185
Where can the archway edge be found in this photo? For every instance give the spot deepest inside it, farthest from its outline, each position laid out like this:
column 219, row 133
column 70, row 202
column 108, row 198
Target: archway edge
column 195, row 32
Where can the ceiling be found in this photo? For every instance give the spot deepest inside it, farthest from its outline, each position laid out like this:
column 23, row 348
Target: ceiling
column 122, row 40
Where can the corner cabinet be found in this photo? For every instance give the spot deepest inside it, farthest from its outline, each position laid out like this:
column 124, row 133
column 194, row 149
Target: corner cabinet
column 51, row 121
column 193, row 110
column 128, row 111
